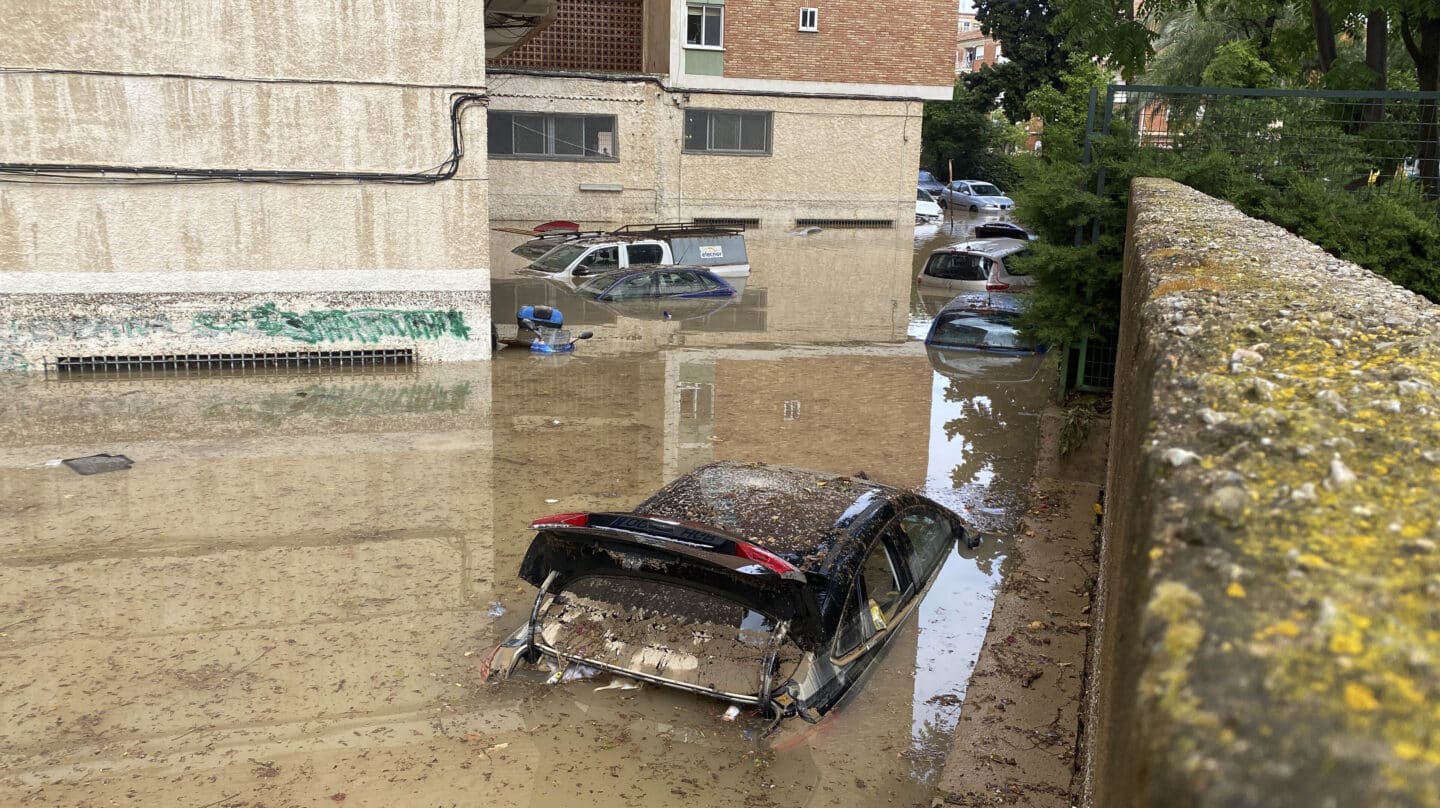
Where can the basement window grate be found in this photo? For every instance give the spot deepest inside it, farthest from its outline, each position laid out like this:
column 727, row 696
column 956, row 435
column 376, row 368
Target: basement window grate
column 1097, row 364
column 848, row 224
column 727, row 221
column 176, row 363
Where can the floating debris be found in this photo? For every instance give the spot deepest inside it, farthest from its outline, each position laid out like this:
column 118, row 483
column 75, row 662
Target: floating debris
column 98, row 464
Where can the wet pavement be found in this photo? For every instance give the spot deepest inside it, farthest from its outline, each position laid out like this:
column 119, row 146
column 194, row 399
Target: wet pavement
column 284, row 601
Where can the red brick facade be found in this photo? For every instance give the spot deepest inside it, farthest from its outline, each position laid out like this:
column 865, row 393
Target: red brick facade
column 908, row 42
column 974, row 50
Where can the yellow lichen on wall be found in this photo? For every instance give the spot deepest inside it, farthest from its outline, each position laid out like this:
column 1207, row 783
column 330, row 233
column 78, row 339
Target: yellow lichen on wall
column 1320, row 392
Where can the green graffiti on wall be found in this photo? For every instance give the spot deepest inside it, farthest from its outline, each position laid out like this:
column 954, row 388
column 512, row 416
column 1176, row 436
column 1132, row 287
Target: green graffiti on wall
column 336, row 325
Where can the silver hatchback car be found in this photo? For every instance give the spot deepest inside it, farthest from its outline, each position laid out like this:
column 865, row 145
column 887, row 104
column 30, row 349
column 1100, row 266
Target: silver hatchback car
column 983, row 265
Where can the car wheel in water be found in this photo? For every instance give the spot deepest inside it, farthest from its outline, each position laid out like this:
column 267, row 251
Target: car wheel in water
column 974, row 208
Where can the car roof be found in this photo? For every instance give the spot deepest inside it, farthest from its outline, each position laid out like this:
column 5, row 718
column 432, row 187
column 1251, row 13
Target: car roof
column 785, row 510
column 636, row 268
column 985, row 301
column 993, row 247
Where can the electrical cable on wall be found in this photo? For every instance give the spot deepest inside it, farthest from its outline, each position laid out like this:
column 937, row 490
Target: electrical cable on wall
column 86, row 174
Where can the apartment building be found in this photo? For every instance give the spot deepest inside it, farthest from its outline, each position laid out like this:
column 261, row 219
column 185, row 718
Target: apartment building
column 973, row 50
column 751, row 110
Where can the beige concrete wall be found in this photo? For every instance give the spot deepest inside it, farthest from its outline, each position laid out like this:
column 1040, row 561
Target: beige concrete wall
column 219, row 85
column 408, row 41
column 831, row 158
column 647, row 146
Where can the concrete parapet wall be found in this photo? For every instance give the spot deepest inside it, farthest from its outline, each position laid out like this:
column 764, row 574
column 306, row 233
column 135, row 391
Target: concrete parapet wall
column 1266, row 622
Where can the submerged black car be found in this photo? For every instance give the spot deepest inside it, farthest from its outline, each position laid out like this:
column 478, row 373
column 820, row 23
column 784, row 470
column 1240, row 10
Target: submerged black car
column 759, row 585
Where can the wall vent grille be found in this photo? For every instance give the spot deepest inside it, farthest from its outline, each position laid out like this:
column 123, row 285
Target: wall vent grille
column 727, row 221
column 848, row 224
column 181, row 363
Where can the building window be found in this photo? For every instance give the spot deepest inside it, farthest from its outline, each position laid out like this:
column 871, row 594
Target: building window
column 809, row 19
column 535, row 135
column 965, row 25
column 705, row 26
column 720, row 131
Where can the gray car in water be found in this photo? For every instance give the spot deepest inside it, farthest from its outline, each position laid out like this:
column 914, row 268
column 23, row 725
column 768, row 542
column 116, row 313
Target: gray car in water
column 976, row 197
column 758, row 585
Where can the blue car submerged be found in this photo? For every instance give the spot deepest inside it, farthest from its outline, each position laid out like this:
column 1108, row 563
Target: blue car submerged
column 656, row 282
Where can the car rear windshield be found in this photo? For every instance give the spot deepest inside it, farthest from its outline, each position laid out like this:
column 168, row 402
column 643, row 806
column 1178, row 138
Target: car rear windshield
column 662, row 629
column 559, row 258
column 984, row 189
column 986, row 330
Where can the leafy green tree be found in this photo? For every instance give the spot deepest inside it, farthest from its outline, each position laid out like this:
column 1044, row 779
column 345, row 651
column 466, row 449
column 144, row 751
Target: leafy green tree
column 961, row 132
column 1033, row 51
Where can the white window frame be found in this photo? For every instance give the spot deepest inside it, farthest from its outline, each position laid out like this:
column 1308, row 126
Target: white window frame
column 814, row 14
column 704, row 9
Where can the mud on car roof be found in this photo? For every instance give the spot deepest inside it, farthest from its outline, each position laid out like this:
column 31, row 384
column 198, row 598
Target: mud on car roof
column 786, row 511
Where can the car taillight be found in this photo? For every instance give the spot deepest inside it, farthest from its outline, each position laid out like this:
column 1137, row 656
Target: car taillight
column 763, row 557
column 996, row 286
column 562, row 520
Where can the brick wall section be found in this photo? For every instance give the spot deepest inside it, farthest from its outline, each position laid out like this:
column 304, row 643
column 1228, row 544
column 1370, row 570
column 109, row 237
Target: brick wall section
column 908, row 42
column 604, row 35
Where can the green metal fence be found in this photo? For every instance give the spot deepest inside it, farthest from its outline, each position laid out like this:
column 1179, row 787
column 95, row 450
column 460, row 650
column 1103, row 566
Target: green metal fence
column 1350, row 140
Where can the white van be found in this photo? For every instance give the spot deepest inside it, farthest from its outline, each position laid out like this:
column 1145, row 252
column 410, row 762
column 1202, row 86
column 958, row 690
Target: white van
column 976, row 266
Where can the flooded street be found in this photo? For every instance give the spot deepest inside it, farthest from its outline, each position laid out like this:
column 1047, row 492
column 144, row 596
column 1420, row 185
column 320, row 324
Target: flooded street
column 285, row 600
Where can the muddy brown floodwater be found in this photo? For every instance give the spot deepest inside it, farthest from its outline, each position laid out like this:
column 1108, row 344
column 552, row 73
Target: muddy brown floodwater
column 285, row 600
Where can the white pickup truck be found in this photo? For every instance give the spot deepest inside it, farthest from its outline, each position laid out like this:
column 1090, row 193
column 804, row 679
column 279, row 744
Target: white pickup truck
column 568, row 256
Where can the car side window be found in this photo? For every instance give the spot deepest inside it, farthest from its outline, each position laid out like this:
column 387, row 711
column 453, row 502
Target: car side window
column 707, row 282
column 645, row 254
column 1010, row 262
column 851, row 631
column 679, row 283
column 930, row 538
column 631, row 288
column 602, row 259
column 882, row 585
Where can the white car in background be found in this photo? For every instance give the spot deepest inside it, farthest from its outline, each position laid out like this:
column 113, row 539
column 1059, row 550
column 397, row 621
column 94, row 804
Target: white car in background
column 926, row 208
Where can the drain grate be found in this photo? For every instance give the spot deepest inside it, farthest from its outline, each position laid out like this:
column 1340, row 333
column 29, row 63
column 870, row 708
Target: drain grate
column 848, row 224
column 75, row 365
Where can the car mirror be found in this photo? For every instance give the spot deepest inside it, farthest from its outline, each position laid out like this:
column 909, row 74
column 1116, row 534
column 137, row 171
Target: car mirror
column 581, row 271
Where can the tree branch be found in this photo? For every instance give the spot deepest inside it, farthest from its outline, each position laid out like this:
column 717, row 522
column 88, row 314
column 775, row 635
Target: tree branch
column 1409, row 38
